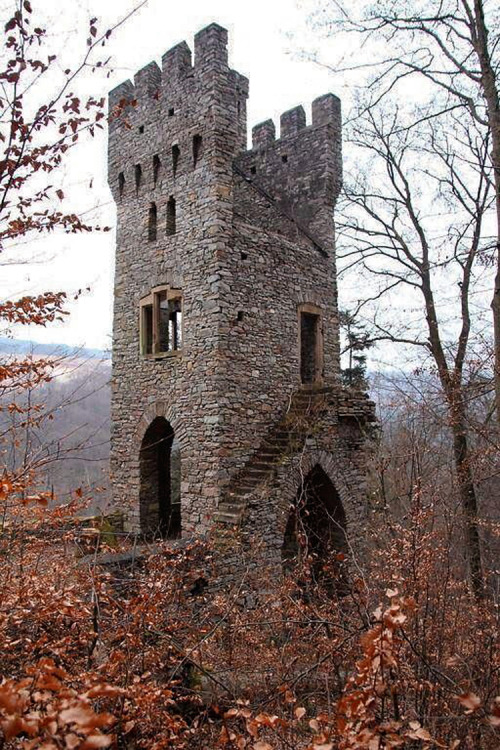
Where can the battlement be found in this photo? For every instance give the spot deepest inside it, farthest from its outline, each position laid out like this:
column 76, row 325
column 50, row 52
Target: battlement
column 302, row 169
column 173, row 118
column 326, row 110
column 210, row 62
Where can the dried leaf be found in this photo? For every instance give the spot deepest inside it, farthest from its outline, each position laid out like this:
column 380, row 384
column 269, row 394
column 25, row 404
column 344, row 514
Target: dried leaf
column 471, row 701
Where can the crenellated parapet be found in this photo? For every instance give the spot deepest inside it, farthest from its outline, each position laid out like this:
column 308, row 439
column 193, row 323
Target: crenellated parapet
column 166, row 107
column 302, row 169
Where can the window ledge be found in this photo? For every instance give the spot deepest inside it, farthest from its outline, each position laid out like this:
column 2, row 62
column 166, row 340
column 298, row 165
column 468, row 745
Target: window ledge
column 163, row 355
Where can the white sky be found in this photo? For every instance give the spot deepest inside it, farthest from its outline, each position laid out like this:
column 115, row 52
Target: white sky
column 265, row 36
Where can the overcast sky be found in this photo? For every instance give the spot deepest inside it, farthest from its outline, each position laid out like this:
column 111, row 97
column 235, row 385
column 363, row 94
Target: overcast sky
column 266, row 37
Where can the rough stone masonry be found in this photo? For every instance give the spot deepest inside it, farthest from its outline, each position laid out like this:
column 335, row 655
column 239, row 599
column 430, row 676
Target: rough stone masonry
column 227, row 406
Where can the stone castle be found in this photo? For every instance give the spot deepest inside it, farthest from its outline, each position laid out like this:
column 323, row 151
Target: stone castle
column 227, row 407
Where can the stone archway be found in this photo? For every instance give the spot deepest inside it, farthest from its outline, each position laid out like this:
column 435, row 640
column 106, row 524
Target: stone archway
column 316, row 531
column 159, row 470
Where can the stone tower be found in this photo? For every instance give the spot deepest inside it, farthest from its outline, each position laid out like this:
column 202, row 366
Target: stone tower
column 226, row 396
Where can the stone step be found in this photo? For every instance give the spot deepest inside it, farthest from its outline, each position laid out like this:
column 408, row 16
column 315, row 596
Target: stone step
column 262, row 465
column 312, row 391
column 228, row 518
column 233, row 507
column 242, row 488
column 254, row 471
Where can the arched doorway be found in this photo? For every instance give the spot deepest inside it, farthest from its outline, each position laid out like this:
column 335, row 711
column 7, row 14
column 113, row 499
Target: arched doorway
column 316, row 532
column 160, row 481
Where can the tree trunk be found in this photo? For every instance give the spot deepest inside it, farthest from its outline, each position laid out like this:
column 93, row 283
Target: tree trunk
column 490, row 91
column 467, row 492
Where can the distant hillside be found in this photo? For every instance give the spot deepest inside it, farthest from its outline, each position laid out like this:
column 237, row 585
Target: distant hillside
column 23, row 346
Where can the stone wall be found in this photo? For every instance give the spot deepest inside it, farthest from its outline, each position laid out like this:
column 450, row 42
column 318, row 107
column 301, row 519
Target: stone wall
column 253, row 246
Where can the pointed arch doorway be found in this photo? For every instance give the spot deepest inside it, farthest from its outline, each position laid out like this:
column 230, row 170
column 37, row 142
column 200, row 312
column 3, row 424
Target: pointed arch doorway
column 316, row 532
column 159, row 469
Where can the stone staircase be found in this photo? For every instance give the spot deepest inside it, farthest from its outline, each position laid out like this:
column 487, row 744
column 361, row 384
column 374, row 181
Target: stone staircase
column 285, row 440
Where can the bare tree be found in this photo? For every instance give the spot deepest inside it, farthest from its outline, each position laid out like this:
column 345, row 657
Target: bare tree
column 454, row 45
column 414, row 218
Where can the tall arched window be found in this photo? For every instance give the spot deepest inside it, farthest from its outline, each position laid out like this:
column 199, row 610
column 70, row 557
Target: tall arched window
column 152, row 221
column 121, row 183
column 171, row 218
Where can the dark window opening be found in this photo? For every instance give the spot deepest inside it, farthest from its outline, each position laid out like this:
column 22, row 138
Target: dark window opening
column 316, row 534
column 240, row 315
column 161, row 323
column 244, row 256
column 141, row 128
column 121, row 183
column 176, row 152
column 171, row 218
column 284, row 158
column 156, row 168
column 159, row 461
column 152, row 222
column 197, row 149
column 138, row 176
column 309, row 347
column 169, row 323
column 253, row 170
column 147, row 329
column 239, row 107
column 171, row 112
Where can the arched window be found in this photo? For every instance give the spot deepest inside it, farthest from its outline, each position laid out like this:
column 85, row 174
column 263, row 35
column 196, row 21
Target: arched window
column 171, row 218
column 138, row 176
column 316, row 532
column 197, row 149
column 156, row 168
column 152, row 221
column 121, row 183
column 176, row 152
column 159, row 468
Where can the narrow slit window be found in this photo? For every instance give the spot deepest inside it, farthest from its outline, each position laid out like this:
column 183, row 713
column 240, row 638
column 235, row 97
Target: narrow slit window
column 161, row 301
column 174, row 324
column 152, row 222
column 176, row 152
column 171, row 218
column 147, row 329
column 138, row 176
column 309, row 347
column 156, row 168
column 121, row 183
column 197, row 149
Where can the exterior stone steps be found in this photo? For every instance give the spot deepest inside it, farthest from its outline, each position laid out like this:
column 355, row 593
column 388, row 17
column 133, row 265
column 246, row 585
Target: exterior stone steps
column 229, row 518
column 287, row 437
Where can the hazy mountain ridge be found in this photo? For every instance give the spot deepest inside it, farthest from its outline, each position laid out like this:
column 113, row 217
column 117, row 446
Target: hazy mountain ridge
column 25, row 346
